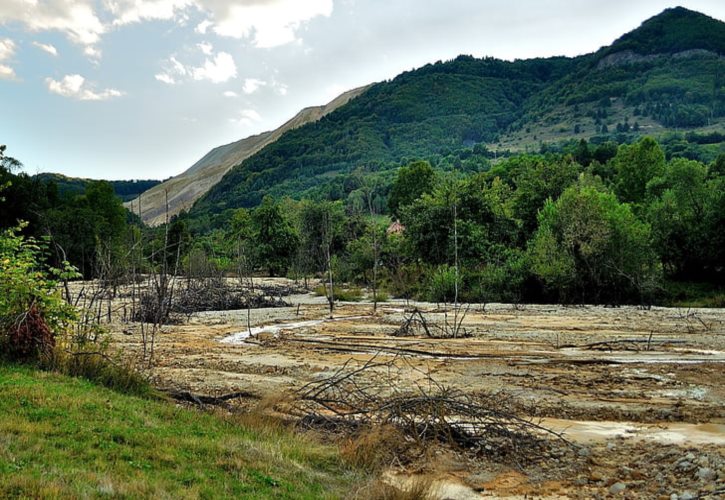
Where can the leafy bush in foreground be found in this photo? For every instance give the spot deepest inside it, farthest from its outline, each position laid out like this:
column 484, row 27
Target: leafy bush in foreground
column 32, row 310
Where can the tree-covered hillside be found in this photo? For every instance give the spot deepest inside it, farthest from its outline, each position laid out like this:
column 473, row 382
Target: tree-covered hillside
column 437, row 108
column 674, row 30
column 126, row 190
column 651, row 81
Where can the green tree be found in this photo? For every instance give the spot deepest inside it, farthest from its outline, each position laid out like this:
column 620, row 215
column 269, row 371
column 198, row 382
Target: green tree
column 538, row 179
column 321, row 225
column 428, row 222
column 32, row 311
column 590, row 247
column 685, row 217
column 275, row 237
column 241, row 237
column 412, row 182
column 636, row 165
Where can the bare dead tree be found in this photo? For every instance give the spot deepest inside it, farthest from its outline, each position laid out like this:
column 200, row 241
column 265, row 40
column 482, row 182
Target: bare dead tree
column 369, row 192
column 416, row 324
column 327, row 251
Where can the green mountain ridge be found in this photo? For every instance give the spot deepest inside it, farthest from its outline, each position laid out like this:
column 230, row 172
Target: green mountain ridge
column 124, row 189
column 667, row 75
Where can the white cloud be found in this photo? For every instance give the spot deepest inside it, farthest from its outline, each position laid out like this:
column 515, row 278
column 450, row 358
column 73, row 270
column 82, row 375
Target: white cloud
column 230, row 93
column 246, row 118
column 203, row 26
column 46, row 47
column 75, row 18
column 269, row 23
column 92, row 52
column 251, row 85
column 133, row 11
column 266, row 23
column 165, row 78
column 174, row 72
column 7, row 73
column 280, row 88
column 7, row 50
column 217, row 70
column 76, row 87
column 206, row 48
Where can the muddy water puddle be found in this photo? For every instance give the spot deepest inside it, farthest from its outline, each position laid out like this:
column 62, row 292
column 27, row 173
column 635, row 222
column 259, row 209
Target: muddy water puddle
column 580, row 431
column 678, row 357
column 241, row 337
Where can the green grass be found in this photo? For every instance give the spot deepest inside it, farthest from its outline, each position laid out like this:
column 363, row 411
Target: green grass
column 63, row 437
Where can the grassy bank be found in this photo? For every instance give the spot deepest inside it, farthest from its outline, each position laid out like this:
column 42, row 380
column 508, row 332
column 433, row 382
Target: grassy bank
column 66, row 437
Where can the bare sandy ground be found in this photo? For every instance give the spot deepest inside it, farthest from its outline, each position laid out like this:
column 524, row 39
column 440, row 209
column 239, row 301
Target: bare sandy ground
column 642, row 391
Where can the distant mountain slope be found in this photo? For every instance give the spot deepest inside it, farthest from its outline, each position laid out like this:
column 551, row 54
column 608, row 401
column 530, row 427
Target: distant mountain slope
column 432, row 110
column 126, row 190
column 184, row 189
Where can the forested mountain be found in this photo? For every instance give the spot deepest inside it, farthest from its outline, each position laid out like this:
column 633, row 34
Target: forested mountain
column 666, row 76
column 125, row 190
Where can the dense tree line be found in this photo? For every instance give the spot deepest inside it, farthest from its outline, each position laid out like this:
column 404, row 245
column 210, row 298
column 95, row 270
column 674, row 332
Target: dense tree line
column 126, row 190
column 89, row 227
column 601, row 223
column 591, row 223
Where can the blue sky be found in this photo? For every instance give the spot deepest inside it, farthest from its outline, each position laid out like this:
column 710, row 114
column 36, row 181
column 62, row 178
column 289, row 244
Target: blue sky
column 122, row 89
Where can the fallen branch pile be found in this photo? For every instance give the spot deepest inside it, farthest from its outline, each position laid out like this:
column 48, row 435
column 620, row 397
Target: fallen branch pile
column 216, row 294
column 208, row 294
column 368, row 395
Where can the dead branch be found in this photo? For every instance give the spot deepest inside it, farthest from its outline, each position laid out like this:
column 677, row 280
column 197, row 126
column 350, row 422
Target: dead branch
column 201, row 400
column 627, row 344
column 377, row 348
column 415, row 325
column 367, row 394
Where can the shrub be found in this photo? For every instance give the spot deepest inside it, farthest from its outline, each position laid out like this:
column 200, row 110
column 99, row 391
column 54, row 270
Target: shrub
column 442, row 284
column 374, row 448
column 36, row 324
column 381, row 295
column 32, row 311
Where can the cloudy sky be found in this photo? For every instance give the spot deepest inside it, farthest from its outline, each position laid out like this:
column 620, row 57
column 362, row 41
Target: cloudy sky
column 121, row 89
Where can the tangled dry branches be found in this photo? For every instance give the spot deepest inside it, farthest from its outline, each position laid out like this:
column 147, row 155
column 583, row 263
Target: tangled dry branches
column 369, row 394
column 416, row 325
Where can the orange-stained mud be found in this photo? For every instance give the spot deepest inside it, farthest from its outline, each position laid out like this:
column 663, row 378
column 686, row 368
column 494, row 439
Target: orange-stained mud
column 642, row 390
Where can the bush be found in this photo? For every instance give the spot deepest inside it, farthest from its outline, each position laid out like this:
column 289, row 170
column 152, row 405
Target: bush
column 381, row 295
column 374, row 448
column 442, row 284
column 32, row 312
column 36, row 324
column 30, row 336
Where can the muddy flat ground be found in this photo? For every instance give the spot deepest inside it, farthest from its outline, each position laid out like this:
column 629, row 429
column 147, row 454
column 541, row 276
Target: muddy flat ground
column 640, row 392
